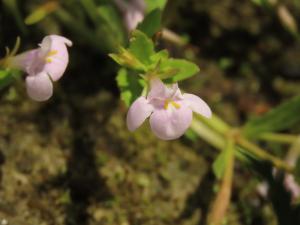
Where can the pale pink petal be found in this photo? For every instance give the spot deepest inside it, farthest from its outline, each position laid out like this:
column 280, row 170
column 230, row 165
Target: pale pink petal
column 39, row 87
column 172, row 123
column 56, row 38
column 292, row 186
column 157, row 89
column 133, row 18
column 133, row 12
column 197, row 105
column 26, row 61
column 138, row 112
column 57, row 57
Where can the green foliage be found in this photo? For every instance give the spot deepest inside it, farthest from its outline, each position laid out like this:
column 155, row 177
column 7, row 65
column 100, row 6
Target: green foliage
column 152, row 23
column 141, row 47
column 41, row 12
column 7, row 77
column 154, row 4
column 282, row 117
column 262, row 3
column 191, row 135
column 141, row 58
column 129, row 85
column 139, row 53
column 112, row 20
column 181, row 69
column 219, row 164
column 36, row 16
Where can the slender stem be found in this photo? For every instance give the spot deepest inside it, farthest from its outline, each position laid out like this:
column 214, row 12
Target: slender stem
column 216, row 123
column 221, row 203
column 215, row 130
column 278, row 138
column 208, row 134
column 173, row 37
column 262, row 154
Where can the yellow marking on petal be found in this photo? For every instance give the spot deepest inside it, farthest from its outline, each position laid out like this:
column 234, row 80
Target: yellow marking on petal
column 48, row 60
column 176, row 105
column 167, row 102
column 52, row 53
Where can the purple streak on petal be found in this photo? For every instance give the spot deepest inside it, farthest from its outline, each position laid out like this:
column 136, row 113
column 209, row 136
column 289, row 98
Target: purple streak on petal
column 172, row 123
column 39, row 87
column 138, row 112
column 197, row 105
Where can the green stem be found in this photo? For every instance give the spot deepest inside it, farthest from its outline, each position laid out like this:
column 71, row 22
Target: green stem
column 222, row 201
column 216, row 123
column 208, row 134
column 262, row 154
column 215, row 130
column 278, row 138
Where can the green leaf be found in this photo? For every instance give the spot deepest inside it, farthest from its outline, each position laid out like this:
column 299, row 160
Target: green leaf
column 41, row 12
column 5, row 78
column 141, row 47
column 139, row 53
column 219, row 164
column 159, row 57
column 223, row 159
column 282, row 117
column 127, row 59
column 36, row 16
column 191, row 135
column 130, row 87
column 261, row 2
column 154, row 4
column 152, row 23
column 177, row 69
column 112, row 21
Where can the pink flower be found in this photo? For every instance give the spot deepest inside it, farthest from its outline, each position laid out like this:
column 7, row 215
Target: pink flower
column 292, row 186
column 43, row 65
column 133, row 12
column 170, row 111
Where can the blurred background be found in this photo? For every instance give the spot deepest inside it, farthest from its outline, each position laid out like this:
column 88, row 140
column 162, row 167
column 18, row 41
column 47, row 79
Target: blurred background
column 71, row 160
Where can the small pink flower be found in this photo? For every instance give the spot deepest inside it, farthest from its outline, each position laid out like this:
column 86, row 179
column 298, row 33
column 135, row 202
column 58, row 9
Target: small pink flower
column 292, row 186
column 170, row 111
column 43, row 65
column 133, row 12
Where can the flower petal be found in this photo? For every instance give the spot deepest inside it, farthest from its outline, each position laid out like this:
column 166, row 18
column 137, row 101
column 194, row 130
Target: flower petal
column 57, row 57
column 39, row 87
column 132, row 18
column 197, row 105
column 157, row 89
column 25, row 61
column 138, row 112
column 172, row 123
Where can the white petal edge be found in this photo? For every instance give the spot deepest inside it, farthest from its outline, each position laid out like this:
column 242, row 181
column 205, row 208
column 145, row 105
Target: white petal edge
column 39, row 87
column 197, row 105
column 138, row 112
